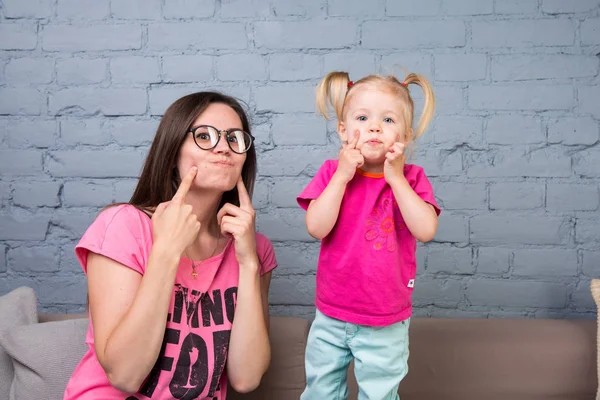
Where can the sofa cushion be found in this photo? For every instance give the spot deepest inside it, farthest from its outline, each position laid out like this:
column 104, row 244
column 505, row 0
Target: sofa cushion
column 595, row 286
column 44, row 357
column 17, row 308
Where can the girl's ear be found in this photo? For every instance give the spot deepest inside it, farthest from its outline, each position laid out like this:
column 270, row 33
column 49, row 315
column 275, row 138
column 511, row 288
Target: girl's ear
column 341, row 129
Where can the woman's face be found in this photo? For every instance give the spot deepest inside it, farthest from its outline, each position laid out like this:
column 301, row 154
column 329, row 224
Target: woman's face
column 218, row 168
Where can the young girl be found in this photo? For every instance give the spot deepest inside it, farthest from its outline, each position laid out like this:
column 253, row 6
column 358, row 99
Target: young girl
column 368, row 208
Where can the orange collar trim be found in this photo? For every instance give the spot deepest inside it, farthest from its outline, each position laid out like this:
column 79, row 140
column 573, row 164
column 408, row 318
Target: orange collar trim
column 368, row 174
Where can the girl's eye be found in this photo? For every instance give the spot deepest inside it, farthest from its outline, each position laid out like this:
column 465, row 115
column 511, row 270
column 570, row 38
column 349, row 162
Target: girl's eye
column 362, row 118
column 388, row 120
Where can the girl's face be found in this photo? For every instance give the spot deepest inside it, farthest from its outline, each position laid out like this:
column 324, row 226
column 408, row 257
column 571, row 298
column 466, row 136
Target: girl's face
column 218, row 168
column 377, row 115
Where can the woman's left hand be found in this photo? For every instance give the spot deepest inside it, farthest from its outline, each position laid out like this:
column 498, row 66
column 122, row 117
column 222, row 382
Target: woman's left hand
column 393, row 167
column 239, row 222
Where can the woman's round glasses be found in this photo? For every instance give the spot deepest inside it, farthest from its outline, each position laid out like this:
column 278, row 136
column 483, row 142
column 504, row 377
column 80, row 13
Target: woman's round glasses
column 207, row 137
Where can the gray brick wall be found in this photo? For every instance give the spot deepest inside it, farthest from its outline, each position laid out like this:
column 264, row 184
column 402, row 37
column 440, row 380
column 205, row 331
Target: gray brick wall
column 513, row 151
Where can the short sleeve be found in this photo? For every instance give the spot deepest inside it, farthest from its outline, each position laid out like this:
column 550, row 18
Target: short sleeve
column 121, row 233
column 266, row 254
column 316, row 186
column 422, row 187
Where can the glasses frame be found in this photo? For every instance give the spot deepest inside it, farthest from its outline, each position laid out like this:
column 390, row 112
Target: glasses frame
column 227, row 132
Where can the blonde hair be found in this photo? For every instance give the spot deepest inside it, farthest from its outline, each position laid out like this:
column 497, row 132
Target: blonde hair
column 336, row 88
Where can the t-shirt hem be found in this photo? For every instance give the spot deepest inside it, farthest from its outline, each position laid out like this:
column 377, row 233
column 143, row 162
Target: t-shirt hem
column 368, row 320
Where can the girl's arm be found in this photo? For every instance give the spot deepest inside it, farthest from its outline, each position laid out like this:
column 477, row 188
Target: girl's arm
column 420, row 217
column 323, row 212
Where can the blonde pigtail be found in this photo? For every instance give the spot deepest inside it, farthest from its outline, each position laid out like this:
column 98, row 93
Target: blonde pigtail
column 331, row 92
column 428, row 107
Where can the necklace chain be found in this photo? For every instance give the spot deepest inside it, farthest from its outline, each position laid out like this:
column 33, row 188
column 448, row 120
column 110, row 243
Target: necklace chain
column 194, row 273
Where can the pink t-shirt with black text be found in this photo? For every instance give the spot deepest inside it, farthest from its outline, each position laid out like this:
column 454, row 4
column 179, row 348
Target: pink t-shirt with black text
column 191, row 364
column 367, row 264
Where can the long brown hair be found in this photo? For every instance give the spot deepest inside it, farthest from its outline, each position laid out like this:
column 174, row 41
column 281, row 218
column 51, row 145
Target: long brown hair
column 160, row 178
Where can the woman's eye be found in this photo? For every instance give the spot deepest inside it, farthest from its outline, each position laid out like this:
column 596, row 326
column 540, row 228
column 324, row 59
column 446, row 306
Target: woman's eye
column 233, row 139
column 362, row 118
column 203, row 136
column 388, row 120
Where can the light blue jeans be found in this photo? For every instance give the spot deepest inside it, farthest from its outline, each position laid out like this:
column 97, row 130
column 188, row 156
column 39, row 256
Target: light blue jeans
column 380, row 359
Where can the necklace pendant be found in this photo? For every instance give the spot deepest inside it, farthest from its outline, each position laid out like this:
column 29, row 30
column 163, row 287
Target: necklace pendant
column 194, row 274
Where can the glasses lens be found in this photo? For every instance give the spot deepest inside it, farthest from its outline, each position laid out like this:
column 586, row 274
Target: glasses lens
column 239, row 141
column 206, row 137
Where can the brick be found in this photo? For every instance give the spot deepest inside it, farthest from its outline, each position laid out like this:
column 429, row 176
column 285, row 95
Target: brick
column 5, row 193
column 590, row 31
column 246, row 9
column 440, row 162
column 184, row 9
column 516, row 196
column 92, row 101
column 448, row 100
column 134, row 69
column 23, row 228
column 582, row 299
column 260, row 196
column 299, row 98
column 521, row 97
column 124, row 189
column 293, row 290
column 401, row 63
column 133, row 132
column 458, row 130
column 33, row 259
column 461, row 196
column 493, row 260
column 20, row 162
column 292, row 162
column 468, row 7
column 414, row 34
column 162, row 97
column 83, row 9
column 294, row 129
column 573, row 131
column 451, row 260
column 185, row 68
column 317, row 34
column 588, row 100
column 306, row 312
column 18, row 36
column 591, row 263
column 294, row 67
column 285, row 191
column 80, row 71
column 307, row 8
column 437, row 291
column 358, row 65
column 501, row 130
column 71, row 224
column 28, row 9
column 36, row 194
column 586, row 230
column 562, row 197
column 519, row 230
column 517, row 163
column 29, row 70
column 524, row 67
column 87, row 194
column 196, row 35
column 460, row 67
column 523, row 33
column 22, row 133
column 505, row 293
column 71, row 38
column 262, row 134
column 521, row 7
column 586, row 163
column 410, row 8
column 254, row 67
column 284, row 225
column 84, row 131
column 3, row 250
column 562, row 7
column 297, row 258
column 136, row 9
column 21, row 101
column 452, row 229
column 545, row 262
column 94, row 164
column 63, row 290
column 356, row 8
column 421, row 255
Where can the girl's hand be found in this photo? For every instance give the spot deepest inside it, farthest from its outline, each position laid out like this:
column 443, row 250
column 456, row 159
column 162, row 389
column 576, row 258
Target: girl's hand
column 350, row 160
column 174, row 226
column 393, row 167
column 239, row 222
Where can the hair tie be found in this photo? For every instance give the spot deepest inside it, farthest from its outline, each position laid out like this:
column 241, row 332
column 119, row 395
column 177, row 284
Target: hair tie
column 404, row 84
column 350, row 83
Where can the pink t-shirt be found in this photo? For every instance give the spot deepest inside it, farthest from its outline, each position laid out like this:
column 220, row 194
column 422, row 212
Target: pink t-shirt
column 367, row 263
column 191, row 364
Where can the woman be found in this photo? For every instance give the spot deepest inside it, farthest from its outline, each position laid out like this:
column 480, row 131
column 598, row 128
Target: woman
column 178, row 278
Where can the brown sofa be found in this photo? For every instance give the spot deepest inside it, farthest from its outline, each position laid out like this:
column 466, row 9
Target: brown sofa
column 479, row 359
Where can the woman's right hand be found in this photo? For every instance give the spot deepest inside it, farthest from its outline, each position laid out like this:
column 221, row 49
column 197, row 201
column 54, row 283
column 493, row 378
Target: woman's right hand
column 350, row 159
column 175, row 227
